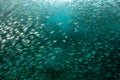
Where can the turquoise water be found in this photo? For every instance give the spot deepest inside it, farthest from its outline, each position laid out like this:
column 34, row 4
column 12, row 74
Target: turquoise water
column 60, row 19
column 59, row 40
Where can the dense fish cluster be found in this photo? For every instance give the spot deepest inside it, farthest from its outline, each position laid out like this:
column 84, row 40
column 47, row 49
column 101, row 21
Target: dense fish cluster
column 68, row 40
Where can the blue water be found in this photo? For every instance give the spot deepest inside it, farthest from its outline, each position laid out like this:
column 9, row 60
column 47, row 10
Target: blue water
column 60, row 17
column 60, row 40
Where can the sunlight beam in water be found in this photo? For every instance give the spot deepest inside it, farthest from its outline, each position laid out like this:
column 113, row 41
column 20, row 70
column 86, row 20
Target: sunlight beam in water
column 54, row 1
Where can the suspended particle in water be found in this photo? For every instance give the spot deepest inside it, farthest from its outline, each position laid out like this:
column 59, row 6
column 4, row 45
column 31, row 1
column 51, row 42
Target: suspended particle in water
column 47, row 17
column 75, row 30
column 60, row 23
column 64, row 41
column 51, row 32
column 66, row 36
column 54, row 41
column 42, row 47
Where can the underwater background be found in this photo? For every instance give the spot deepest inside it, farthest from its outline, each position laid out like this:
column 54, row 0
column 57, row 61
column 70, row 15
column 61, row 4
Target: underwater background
column 59, row 39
